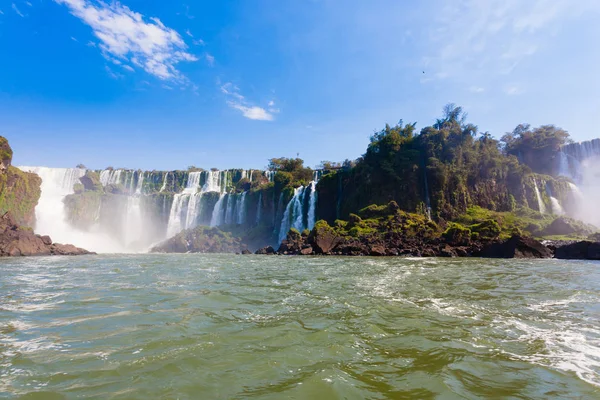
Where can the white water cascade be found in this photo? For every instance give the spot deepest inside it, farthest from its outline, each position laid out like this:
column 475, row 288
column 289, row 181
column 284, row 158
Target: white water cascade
column 186, row 198
column 541, row 206
column 300, row 212
column 580, row 162
column 57, row 183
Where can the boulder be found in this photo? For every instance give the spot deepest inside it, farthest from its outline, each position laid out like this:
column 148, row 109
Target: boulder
column 306, row 251
column 46, row 239
column 584, row 250
column 269, row 250
column 377, row 250
column 323, row 238
column 246, row 252
column 67, row 250
column 567, row 226
column 516, row 247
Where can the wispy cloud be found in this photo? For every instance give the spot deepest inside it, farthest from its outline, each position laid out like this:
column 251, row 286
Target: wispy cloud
column 112, row 74
column 210, row 59
column 187, row 32
column 29, row 4
column 476, row 89
column 129, row 36
column 17, row 11
column 494, row 37
column 238, row 102
column 199, row 42
column 73, row 38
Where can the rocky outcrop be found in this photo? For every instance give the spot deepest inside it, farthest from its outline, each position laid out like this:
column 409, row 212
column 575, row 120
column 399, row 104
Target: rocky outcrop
column 201, row 239
column 584, row 250
column 567, row 226
column 17, row 241
column 19, row 191
column 515, row 247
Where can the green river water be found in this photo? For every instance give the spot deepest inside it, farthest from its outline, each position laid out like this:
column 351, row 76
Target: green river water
column 236, row 327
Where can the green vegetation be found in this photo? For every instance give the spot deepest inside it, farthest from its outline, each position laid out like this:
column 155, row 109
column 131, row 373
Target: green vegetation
column 449, row 166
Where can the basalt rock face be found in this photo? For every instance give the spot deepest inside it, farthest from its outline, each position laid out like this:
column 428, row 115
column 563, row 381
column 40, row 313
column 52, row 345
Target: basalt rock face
column 201, row 240
column 516, row 247
column 584, row 250
column 19, row 191
column 17, row 241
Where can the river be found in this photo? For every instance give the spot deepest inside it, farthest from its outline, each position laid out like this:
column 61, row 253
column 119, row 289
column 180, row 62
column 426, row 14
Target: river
column 226, row 327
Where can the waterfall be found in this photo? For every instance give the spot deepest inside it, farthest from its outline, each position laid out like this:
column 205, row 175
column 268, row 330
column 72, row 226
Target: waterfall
column 140, row 183
column 581, row 162
column 293, row 217
column 312, row 208
column 133, row 224
column 164, row 185
column 181, row 217
column 259, row 209
column 110, row 177
column 218, row 211
column 241, row 209
column 57, row 183
column 270, row 175
column 229, row 209
column 541, row 206
column 554, row 203
column 213, row 182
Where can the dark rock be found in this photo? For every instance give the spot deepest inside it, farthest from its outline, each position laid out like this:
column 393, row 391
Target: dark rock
column 201, row 239
column 584, row 250
column 67, row 250
column 323, row 238
column 516, row 247
column 269, row 250
column 246, row 252
column 377, row 250
column 306, row 251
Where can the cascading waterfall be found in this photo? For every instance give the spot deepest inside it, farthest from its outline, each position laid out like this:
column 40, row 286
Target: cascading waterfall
column 580, row 162
column 259, row 209
column 164, row 185
column 312, row 208
column 241, row 209
column 541, row 206
column 57, row 183
column 132, row 216
column 217, row 215
column 187, row 198
column 554, row 203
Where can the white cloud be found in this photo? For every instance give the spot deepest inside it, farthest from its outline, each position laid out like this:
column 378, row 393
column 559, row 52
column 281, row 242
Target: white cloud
column 238, row 102
column 74, row 39
column 128, row 68
column 16, row 10
column 199, row 42
column 29, row 4
column 210, row 59
column 127, row 35
column 187, row 32
column 254, row 112
column 91, row 44
column 271, row 103
column 476, row 89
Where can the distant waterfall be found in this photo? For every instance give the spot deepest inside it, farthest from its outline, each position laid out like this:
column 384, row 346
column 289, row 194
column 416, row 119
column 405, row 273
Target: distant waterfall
column 580, row 162
column 241, row 209
column 259, row 209
column 541, row 206
column 554, row 203
column 57, row 183
column 164, row 185
column 217, row 215
column 181, row 206
column 312, row 208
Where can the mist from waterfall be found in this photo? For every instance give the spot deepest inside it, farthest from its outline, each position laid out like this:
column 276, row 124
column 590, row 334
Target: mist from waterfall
column 50, row 213
column 581, row 163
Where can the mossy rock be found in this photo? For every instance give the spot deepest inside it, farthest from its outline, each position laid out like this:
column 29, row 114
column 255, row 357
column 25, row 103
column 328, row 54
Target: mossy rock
column 457, row 234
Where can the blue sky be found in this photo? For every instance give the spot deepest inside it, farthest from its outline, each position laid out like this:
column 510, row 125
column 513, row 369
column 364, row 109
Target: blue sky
column 156, row 84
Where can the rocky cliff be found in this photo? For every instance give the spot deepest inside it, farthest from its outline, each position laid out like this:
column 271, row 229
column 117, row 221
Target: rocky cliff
column 19, row 191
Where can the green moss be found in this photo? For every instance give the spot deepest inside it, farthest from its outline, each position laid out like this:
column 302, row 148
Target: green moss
column 19, row 194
